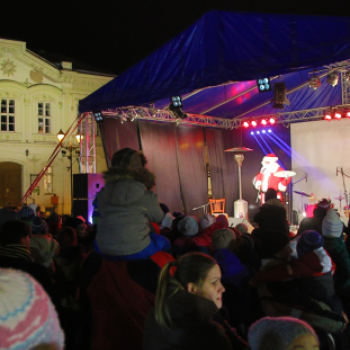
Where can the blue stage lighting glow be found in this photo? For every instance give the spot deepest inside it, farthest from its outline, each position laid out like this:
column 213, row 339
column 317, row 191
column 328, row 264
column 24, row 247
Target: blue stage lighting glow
column 258, row 132
column 263, row 131
column 252, row 133
column 269, row 130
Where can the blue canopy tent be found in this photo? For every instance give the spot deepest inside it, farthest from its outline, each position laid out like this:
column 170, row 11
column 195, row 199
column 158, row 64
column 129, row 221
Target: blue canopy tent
column 224, row 48
column 214, row 65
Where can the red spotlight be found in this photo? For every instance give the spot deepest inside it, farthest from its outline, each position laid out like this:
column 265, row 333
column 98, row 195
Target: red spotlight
column 263, row 122
column 337, row 115
column 245, row 124
column 347, row 114
column 254, row 123
column 327, row 116
column 272, row 121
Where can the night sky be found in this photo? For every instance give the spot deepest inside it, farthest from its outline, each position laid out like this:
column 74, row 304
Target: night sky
column 114, row 35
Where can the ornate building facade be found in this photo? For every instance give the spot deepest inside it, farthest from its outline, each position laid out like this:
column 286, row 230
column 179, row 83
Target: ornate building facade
column 39, row 98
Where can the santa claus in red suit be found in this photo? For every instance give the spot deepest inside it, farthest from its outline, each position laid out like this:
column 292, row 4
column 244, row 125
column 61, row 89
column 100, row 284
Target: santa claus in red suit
column 266, row 179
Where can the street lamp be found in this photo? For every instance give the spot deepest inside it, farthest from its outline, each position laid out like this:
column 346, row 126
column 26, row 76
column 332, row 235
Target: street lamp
column 70, row 148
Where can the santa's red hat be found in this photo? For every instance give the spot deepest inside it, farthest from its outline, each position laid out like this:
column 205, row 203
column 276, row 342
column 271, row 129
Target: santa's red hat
column 270, row 157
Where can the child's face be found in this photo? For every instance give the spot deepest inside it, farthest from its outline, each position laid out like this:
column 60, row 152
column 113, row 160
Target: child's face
column 304, row 342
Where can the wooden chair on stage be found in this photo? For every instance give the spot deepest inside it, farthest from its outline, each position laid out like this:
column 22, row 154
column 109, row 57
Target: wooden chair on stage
column 217, row 207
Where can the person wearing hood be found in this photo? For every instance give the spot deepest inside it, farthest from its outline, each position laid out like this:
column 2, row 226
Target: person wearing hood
column 126, row 205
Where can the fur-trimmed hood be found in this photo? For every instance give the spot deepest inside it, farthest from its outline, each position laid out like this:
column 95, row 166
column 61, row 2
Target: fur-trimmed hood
column 124, row 186
column 116, row 174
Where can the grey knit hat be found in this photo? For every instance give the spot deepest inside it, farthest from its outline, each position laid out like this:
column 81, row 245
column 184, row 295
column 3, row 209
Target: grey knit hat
column 277, row 332
column 188, row 226
column 332, row 225
column 223, row 238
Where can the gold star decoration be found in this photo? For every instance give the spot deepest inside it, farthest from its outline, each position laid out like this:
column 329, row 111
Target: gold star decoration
column 8, row 67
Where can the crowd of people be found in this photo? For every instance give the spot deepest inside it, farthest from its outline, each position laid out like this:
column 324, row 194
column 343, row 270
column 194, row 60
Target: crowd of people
column 143, row 277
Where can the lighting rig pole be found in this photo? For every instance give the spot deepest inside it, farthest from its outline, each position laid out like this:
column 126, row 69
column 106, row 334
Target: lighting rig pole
column 70, row 148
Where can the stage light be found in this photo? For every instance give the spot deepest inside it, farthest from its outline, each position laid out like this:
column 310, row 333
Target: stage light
column 258, row 132
column 177, row 101
column 175, row 107
column 280, row 96
column 98, row 116
column 337, row 115
column 314, row 82
column 347, row 75
column 269, row 130
column 272, row 121
column 254, row 123
column 347, row 114
column 263, row 122
column 252, row 133
column 245, row 124
column 264, row 84
column 263, row 131
column 327, row 116
column 333, row 78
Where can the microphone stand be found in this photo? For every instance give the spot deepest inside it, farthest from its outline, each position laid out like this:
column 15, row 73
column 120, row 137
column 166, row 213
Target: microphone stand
column 203, row 206
column 302, row 200
column 345, row 192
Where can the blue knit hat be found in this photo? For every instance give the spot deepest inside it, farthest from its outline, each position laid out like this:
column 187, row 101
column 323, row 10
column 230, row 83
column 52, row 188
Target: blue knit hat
column 308, row 241
column 332, row 226
column 277, row 333
column 26, row 213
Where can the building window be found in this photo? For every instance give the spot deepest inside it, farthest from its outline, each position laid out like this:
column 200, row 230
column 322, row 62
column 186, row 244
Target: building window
column 48, row 181
column 44, row 118
column 7, row 115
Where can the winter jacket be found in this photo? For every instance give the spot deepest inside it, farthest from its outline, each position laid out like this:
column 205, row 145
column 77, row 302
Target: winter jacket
column 337, row 250
column 287, row 298
column 43, row 248
column 191, row 329
column 126, row 207
column 115, row 298
column 272, row 216
column 314, row 276
column 239, row 298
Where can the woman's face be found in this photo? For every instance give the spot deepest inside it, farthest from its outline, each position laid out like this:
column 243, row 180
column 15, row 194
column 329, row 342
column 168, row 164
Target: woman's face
column 304, row 342
column 212, row 288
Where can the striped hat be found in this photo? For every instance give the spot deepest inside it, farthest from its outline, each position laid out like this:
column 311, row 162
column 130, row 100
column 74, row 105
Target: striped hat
column 28, row 319
column 39, row 226
column 332, row 226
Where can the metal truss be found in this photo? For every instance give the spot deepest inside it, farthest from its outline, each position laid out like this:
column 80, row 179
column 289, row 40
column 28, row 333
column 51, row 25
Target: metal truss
column 164, row 115
column 221, row 123
column 88, row 144
column 345, row 88
column 301, row 116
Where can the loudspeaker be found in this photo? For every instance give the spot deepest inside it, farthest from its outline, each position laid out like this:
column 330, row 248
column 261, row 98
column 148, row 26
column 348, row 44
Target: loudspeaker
column 86, row 186
column 83, row 207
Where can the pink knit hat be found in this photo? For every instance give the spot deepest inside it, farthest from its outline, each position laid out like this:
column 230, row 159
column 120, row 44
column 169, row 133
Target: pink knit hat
column 206, row 221
column 27, row 317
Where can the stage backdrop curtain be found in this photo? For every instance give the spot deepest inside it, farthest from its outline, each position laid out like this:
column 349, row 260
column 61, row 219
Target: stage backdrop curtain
column 192, row 168
column 159, row 146
column 116, row 136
